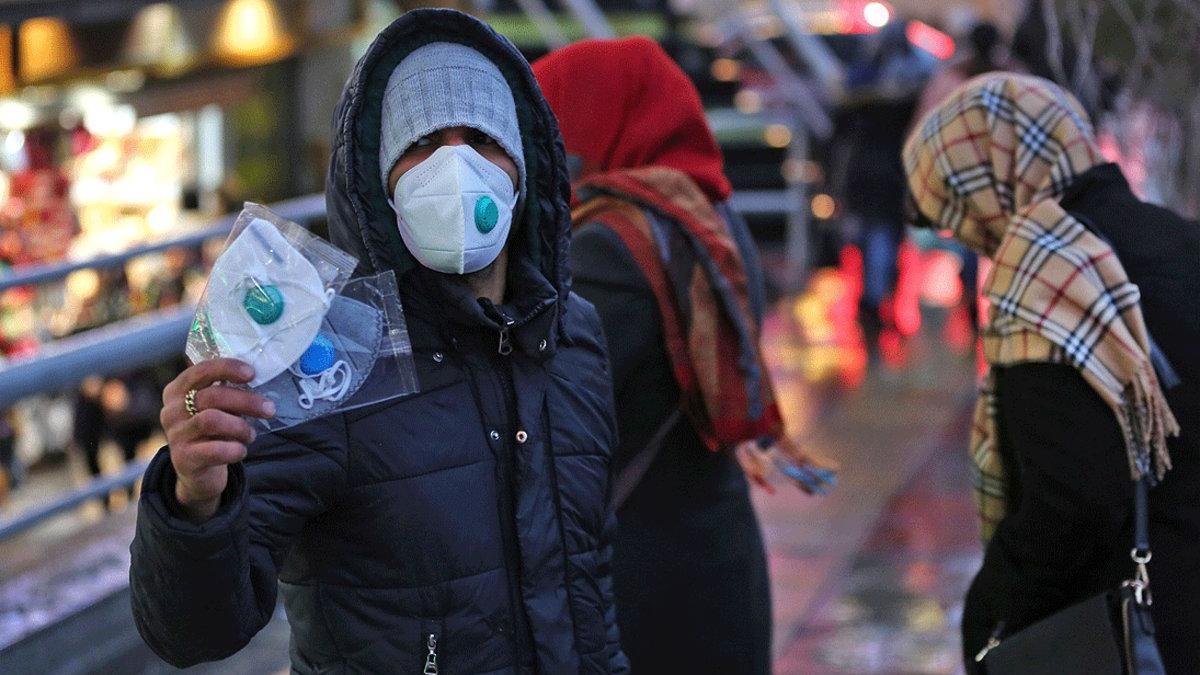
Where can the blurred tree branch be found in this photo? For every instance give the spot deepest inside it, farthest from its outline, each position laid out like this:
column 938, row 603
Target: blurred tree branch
column 1137, row 61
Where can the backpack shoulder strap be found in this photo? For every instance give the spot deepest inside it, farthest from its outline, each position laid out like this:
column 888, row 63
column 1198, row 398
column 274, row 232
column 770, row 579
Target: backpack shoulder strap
column 629, row 478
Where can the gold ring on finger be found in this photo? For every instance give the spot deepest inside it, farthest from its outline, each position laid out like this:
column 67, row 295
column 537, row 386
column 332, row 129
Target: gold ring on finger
column 189, row 403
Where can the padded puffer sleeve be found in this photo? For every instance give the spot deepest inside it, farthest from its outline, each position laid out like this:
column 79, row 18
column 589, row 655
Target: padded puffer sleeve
column 200, row 592
column 617, row 661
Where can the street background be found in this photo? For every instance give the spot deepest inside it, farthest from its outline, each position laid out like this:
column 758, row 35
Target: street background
column 130, row 130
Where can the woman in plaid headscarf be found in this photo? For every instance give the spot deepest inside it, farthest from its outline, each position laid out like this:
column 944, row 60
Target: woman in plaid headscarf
column 1074, row 408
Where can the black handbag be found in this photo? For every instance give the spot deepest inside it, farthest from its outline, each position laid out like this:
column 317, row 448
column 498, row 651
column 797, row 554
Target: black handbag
column 1110, row 633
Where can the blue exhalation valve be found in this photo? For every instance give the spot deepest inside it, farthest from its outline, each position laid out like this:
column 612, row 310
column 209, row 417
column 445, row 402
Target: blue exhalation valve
column 318, row 357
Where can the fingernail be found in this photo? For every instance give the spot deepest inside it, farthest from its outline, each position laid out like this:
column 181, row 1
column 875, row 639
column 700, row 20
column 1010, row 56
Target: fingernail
column 247, row 372
column 253, row 435
column 268, row 408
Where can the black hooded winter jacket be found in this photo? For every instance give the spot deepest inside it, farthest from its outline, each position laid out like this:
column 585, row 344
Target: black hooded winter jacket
column 469, row 518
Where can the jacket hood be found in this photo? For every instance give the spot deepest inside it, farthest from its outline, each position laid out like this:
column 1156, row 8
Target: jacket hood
column 360, row 219
column 624, row 104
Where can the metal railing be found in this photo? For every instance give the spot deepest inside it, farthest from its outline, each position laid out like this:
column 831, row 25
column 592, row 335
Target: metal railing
column 137, row 342
column 300, row 209
column 98, row 488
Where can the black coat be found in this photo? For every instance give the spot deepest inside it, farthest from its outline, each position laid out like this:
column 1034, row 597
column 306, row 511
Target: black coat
column 689, row 567
column 1069, row 531
column 427, row 515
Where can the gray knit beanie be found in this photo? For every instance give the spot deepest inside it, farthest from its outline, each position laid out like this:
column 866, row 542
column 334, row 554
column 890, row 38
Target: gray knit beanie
column 442, row 85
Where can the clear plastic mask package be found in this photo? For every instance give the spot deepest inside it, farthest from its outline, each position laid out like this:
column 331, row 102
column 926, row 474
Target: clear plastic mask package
column 360, row 356
column 281, row 299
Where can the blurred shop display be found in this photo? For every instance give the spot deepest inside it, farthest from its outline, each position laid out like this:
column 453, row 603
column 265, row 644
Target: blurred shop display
column 129, row 123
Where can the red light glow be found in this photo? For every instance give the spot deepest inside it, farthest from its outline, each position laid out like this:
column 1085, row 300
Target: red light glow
column 857, row 17
column 932, row 40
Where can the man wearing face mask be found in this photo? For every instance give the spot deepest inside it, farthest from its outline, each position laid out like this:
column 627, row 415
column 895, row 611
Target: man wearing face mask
column 463, row 528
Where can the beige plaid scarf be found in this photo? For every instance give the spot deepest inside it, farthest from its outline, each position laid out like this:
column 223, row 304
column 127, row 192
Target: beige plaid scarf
column 990, row 164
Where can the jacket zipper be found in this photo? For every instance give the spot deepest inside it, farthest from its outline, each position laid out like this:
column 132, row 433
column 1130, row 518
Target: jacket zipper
column 431, row 667
column 505, row 322
column 507, row 488
column 505, row 347
column 992, row 643
column 508, row 491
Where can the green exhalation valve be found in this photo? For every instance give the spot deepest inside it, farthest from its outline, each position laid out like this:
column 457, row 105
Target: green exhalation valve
column 264, row 304
column 486, row 214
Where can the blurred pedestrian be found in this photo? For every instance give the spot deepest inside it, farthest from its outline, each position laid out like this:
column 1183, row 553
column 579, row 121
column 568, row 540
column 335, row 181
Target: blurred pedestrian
column 131, row 404
column 11, row 471
column 676, row 279
column 88, row 424
column 882, row 93
column 1092, row 289
column 986, row 52
column 463, row 528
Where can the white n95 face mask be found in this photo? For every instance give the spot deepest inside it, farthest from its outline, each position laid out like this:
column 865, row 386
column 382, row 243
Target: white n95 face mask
column 455, row 210
column 265, row 301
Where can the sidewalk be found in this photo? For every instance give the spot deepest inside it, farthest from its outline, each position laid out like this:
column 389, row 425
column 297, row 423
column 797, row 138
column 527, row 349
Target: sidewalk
column 870, row 579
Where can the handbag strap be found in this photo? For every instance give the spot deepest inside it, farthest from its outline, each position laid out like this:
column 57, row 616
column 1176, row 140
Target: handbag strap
column 1141, row 552
column 1141, row 519
column 639, row 464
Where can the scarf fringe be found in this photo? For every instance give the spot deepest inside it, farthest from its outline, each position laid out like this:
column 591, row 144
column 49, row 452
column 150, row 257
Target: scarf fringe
column 1146, row 421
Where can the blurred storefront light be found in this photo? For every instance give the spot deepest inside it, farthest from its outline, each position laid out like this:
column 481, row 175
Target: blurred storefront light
column 876, row 14
column 250, row 32
column 801, row 171
column 89, row 97
column 725, row 70
column 8, row 78
column 159, row 39
column 14, row 143
column 708, row 35
column 16, row 115
column 46, row 49
column 823, row 206
column 83, row 284
column 109, row 120
column 748, row 102
column 125, row 81
column 777, row 135
column 829, row 22
column 813, row 172
column 792, row 171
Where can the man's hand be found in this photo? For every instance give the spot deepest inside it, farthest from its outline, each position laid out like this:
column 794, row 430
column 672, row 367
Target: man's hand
column 203, row 446
column 755, row 464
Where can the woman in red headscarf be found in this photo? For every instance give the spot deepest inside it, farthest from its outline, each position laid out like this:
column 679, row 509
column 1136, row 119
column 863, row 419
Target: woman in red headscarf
column 676, row 280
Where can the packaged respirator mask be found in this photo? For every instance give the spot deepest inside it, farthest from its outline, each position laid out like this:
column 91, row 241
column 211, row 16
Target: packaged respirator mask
column 281, row 299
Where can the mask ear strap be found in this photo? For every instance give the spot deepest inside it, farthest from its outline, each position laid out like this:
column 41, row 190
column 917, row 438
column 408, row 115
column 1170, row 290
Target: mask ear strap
column 324, row 386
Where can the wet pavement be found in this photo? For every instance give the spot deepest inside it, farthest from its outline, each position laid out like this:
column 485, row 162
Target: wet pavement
column 868, row 579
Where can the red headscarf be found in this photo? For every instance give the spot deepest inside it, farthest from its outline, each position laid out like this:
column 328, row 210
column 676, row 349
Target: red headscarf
column 624, row 104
